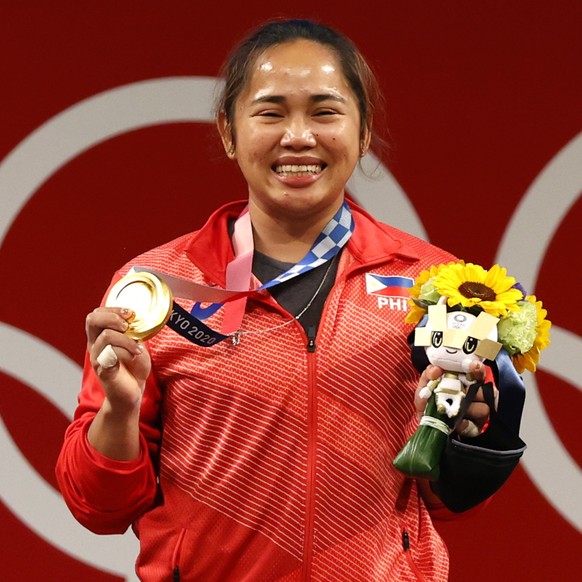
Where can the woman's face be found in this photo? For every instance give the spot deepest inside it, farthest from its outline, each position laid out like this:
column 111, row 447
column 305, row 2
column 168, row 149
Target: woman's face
column 297, row 128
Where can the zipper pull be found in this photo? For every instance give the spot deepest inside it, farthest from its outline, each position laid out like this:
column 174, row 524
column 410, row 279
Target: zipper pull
column 176, row 574
column 405, row 541
column 311, row 333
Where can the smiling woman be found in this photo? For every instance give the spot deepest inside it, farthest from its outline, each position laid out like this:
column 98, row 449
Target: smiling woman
column 297, row 143
column 282, row 411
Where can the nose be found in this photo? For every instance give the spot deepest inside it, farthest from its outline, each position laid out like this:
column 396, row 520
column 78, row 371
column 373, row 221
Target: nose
column 298, row 135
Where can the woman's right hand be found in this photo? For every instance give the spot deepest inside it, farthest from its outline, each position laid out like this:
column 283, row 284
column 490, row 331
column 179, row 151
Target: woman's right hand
column 123, row 377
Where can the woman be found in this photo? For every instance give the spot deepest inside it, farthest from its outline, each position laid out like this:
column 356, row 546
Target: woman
column 276, row 456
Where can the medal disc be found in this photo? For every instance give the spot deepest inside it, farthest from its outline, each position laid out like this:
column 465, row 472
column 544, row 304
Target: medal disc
column 148, row 297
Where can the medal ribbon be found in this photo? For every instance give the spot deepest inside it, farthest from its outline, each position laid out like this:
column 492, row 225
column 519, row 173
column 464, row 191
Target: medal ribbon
column 329, row 242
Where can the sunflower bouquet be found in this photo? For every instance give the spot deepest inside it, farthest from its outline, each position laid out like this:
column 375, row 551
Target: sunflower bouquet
column 465, row 313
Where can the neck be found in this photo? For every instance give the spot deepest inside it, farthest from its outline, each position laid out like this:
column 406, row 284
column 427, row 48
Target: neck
column 287, row 238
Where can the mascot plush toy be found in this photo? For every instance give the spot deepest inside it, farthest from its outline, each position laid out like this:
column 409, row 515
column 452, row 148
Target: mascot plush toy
column 452, row 340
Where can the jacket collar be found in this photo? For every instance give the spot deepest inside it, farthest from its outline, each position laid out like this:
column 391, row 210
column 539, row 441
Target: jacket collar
column 372, row 242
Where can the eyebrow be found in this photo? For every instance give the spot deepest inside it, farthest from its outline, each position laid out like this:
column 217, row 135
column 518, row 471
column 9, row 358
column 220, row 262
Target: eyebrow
column 318, row 98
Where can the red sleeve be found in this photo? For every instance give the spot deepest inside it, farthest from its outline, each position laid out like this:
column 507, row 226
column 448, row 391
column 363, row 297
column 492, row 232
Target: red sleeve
column 439, row 512
column 103, row 494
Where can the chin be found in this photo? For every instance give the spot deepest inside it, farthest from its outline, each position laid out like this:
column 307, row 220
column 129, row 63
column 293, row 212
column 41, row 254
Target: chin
column 301, row 201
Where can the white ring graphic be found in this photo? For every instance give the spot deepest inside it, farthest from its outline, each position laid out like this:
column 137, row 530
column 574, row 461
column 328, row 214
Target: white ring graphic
column 92, row 121
column 522, row 250
column 374, row 187
column 155, row 102
column 58, row 380
column 22, row 172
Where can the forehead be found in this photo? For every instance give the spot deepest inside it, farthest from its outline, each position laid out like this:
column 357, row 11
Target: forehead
column 296, row 65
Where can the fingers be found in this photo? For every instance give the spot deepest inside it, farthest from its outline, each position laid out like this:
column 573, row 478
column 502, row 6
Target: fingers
column 431, row 372
column 112, row 348
column 107, row 358
column 114, row 318
column 110, row 357
column 106, row 340
column 477, row 370
column 476, row 417
column 468, row 429
column 422, row 394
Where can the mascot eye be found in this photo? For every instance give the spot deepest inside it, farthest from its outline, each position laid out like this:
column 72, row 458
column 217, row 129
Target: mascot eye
column 470, row 345
column 437, row 339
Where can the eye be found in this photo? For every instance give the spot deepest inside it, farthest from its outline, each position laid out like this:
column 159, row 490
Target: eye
column 269, row 114
column 437, row 339
column 470, row 345
column 326, row 115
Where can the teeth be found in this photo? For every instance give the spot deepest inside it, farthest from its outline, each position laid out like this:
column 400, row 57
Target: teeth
column 298, row 170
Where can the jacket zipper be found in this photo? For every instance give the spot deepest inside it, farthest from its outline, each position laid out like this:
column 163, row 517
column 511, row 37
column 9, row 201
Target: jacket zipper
column 406, row 546
column 311, row 438
column 311, row 452
column 312, row 426
column 176, row 576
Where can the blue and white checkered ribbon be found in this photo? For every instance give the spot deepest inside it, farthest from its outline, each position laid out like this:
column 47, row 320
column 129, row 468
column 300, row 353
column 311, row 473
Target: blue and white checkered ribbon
column 330, row 241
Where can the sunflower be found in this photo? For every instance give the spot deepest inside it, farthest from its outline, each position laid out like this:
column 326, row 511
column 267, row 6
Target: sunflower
column 415, row 314
column 424, row 293
column 528, row 360
column 472, row 286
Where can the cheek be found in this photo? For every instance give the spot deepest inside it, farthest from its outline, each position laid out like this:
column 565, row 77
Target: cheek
column 255, row 145
column 432, row 354
column 345, row 140
column 339, row 130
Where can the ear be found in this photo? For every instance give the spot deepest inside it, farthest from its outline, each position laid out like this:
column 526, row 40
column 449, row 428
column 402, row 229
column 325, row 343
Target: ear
column 365, row 142
column 225, row 131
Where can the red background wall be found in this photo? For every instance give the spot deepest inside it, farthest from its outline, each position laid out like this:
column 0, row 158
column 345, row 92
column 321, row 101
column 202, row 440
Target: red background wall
column 482, row 98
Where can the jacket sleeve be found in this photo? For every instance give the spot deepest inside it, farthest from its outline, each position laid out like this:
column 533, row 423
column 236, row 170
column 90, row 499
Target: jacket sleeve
column 473, row 469
column 105, row 495
column 440, row 512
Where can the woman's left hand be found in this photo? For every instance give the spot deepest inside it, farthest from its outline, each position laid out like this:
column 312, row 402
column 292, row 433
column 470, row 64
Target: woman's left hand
column 477, row 413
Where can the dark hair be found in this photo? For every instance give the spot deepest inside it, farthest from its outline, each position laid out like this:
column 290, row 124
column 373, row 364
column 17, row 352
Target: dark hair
column 237, row 68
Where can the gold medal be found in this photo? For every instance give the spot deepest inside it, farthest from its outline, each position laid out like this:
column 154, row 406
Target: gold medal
column 148, row 297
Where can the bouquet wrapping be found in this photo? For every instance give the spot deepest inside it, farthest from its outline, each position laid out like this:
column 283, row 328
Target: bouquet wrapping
column 421, row 455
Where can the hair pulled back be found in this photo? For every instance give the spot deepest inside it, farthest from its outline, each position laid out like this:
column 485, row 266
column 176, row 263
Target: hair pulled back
column 238, row 67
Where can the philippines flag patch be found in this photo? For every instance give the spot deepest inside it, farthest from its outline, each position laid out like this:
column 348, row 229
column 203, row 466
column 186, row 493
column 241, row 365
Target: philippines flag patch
column 388, row 286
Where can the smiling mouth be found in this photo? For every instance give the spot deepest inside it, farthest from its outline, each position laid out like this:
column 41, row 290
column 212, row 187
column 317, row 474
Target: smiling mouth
column 288, row 170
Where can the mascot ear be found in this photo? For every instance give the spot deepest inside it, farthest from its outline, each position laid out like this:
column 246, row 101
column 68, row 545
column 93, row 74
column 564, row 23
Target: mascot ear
column 418, row 353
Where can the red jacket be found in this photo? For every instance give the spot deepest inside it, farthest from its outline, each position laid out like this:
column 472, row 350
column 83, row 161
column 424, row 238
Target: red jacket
column 275, row 459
